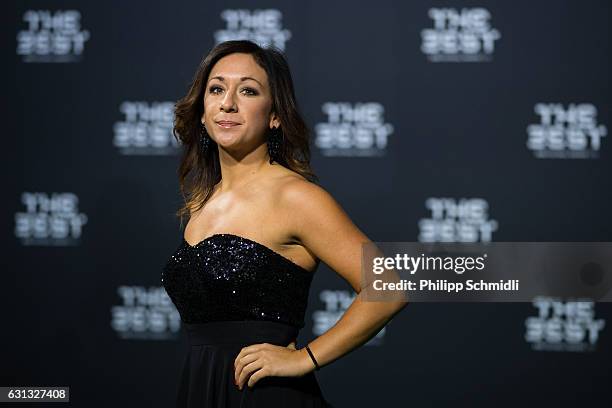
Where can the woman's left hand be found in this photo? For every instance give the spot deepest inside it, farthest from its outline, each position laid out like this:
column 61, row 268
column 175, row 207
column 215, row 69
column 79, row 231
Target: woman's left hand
column 267, row 360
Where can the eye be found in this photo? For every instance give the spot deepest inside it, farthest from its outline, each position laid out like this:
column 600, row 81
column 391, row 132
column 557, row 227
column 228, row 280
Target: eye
column 250, row 91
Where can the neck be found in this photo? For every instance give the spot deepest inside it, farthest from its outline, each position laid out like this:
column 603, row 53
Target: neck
column 237, row 171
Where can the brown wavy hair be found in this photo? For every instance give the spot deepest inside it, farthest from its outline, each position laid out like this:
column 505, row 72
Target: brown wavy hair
column 198, row 172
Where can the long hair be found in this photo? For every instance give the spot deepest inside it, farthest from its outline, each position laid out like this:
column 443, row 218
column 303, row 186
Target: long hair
column 198, row 172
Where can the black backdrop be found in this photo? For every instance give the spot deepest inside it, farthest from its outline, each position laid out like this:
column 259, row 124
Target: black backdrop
column 500, row 108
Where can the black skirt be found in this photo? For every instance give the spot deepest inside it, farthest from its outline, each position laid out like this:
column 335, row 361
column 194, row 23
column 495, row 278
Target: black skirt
column 207, row 379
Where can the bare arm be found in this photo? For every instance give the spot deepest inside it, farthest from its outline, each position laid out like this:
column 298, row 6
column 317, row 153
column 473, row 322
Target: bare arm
column 325, row 229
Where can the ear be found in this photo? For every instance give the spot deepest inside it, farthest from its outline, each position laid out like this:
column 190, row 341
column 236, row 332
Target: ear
column 274, row 121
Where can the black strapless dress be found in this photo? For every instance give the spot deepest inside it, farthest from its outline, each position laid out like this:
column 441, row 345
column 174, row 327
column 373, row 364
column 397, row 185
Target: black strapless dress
column 232, row 292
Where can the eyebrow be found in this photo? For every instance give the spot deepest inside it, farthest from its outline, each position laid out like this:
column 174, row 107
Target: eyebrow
column 220, row 78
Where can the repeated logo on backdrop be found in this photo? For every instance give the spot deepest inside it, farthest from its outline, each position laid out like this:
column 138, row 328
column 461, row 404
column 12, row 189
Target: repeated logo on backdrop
column 52, row 36
column 50, row 219
column 145, row 314
column 566, row 132
column 348, row 129
column 457, row 35
column 563, row 325
column 260, row 26
column 146, row 128
column 357, row 130
column 336, row 302
column 457, row 220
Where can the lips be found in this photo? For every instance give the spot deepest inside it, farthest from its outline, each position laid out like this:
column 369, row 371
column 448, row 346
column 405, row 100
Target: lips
column 227, row 123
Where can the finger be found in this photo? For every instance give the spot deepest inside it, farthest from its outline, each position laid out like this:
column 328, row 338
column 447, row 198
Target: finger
column 247, row 350
column 258, row 375
column 242, row 363
column 247, row 371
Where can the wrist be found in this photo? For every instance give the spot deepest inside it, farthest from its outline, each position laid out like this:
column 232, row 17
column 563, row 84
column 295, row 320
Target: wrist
column 307, row 363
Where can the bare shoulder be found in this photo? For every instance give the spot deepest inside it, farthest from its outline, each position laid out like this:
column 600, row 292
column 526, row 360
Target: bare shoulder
column 302, row 200
column 287, row 183
column 314, row 208
column 305, row 202
column 296, row 192
column 320, row 223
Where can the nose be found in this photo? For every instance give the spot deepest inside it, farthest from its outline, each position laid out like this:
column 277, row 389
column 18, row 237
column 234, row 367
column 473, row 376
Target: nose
column 227, row 104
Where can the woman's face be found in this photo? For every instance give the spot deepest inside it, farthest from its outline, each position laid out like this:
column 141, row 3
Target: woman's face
column 237, row 90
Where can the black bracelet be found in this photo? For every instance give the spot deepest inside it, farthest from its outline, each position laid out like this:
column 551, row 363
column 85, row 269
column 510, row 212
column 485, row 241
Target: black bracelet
column 313, row 359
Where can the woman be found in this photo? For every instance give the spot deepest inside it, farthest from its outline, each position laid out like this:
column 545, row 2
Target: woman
column 258, row 226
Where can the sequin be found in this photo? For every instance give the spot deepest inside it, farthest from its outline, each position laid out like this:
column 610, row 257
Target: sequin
column 229, row 277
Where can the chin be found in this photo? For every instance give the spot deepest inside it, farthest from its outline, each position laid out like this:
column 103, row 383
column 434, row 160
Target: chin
column 228, row 142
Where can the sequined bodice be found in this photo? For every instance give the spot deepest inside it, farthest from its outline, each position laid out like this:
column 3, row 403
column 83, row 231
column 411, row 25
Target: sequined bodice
column 229, row 277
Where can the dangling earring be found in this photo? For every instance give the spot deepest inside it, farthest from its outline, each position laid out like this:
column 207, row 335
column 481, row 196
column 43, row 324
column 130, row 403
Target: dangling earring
column 275, row 137
column 204, row 139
